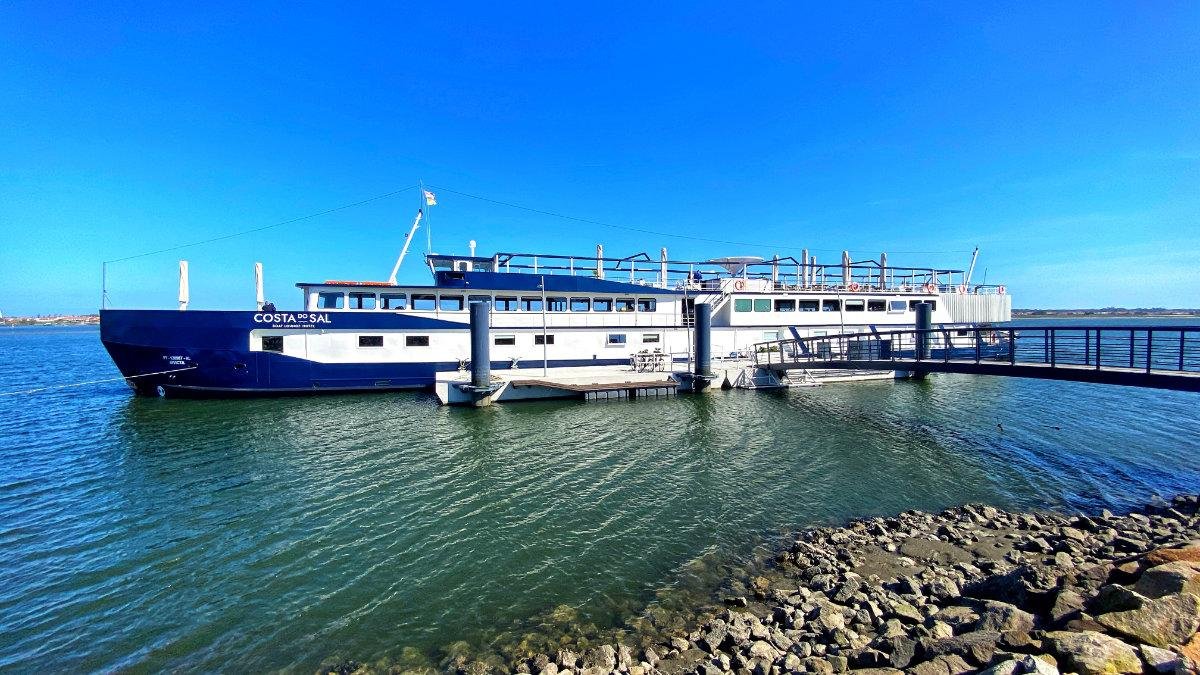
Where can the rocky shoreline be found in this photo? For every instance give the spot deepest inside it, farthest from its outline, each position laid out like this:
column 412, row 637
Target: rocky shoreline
column 971, row 589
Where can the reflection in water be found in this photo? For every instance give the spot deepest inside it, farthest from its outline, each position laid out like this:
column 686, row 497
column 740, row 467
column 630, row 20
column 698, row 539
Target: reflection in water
column 275, row 533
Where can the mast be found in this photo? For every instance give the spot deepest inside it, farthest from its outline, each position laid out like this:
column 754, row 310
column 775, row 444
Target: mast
column 971, row 269
column 404, row 251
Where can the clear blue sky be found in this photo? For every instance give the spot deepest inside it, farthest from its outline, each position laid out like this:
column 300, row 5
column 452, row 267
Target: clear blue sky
column 1063, row 139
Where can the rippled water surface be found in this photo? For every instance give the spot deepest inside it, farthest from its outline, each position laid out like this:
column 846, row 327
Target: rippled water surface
column 274, row 533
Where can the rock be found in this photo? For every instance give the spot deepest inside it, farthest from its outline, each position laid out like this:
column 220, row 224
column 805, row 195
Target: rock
column 760, row 586
column 1160, row 660
column 1191, row 651
column 942, row 665
column 1092, row 653
column 813, row 664
column 1189, row 553
column 957, row 616
column 566, row 658
column 549, row 669
column 877, row 671
column 650, row 656
column 639, row 669
column 604, row 657
column 1067, row 605
column 901, row 652
column 976, row 647
column 1161, row 622
column 715, row 634
column 1114, row 598
column 792, row 663
column 906, row 612
column 1009, row 667
column 761, row 649
column 1003, row 617
column 941, row 629
column 1168, row 579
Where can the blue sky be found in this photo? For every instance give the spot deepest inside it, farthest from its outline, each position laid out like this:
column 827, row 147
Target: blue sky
column 1061, row 138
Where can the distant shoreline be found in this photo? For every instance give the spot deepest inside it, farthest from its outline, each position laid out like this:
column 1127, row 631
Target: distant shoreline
column 53, row 320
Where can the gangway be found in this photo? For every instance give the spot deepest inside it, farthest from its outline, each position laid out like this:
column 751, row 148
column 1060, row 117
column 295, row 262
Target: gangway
column 1162, row 357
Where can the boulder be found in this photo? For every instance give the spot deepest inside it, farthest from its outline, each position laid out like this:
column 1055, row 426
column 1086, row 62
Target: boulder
column 1021, row 666
column 1091, row 653
column 1114, row 598
column 1168, row 579
column 761, row 649
column 1003, row 617
column 1189, row 553
column 1160, row 660
column 943, row 665
column 1160, row 622
column 1067, row 605
column 976, row 647
column 957, row 616
column 713, row 636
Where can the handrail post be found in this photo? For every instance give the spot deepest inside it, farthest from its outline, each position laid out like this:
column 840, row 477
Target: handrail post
column 1132, row 341
column 1012, row 347
column 1182, row 332
column 1053, row 345
column 1149, row 347
column 1087, row 346
column 1045, row 345
column 978, row 341
column 1098, row 330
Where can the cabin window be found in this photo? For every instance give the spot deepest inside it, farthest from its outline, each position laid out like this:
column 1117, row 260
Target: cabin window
column 531, row 304
column 330, row 300
column 370, row 340
column 581, row 304
column 504, row 304
column 602, row 305
column 742, row 304
column 809, row 305
column 912, row 304
column 424, row 303
column 362, row 301
column 450, row 303
column 476, row 299
column 896, row 306
column 648, row 338
column 876, row 305
column 762, row 304
column 416, row 341
column 855, row 305
column 543, row 339
column 785, row 305
column 625, row 304
column 272, row 343
column 831, row 305
column 505, row 340
column 556, row 304
column 647, row 304
column 616, row 339
column 770, row 335
column 394, row 300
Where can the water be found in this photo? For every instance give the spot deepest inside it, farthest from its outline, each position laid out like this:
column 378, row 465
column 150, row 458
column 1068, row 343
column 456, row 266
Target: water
column 279, row 533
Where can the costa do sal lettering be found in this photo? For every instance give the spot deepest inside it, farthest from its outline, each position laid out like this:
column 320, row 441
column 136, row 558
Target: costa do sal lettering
column 292, row 320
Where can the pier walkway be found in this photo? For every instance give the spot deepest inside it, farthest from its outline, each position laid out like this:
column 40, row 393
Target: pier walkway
column 1163, row 357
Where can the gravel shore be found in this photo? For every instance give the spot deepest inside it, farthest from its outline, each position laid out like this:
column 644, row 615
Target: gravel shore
column 971, row 589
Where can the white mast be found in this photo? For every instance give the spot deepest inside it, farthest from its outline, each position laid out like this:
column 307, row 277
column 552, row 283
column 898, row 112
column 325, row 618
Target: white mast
column 599, row 261
column 971, row 270
column 662, row 273
column 404, row 251
column 184, row 292
column 259, row 299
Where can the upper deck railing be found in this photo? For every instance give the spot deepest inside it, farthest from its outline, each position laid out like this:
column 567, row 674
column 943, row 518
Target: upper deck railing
column 786, row 273
column 1153, row 356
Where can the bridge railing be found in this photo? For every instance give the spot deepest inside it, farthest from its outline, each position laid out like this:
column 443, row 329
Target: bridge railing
column 1148, row 348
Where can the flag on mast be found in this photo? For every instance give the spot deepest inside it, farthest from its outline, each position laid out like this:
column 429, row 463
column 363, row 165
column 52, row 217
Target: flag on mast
column 430, row 198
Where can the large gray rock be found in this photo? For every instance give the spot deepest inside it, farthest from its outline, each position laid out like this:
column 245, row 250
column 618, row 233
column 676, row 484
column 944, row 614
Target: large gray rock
column 1169, row 579
column 1160, row 660
column 713, row 636
column 1021, row 666
column 1160, row 622
column 1114, row 598
column 943, row 665
column 976, row 647
column 957, row 616
column 1091, row 653
column 1003, row 617
column 1067, row 605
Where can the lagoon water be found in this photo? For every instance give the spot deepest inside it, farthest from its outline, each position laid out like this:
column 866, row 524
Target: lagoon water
column 150, row 534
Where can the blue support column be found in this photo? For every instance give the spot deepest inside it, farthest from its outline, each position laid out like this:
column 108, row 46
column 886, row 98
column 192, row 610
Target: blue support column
column 703, row 340
column 481, row 359
column 925, row 329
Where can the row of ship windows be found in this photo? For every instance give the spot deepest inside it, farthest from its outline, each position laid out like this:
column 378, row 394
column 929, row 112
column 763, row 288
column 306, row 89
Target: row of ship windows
column 274, row 343
column 456, row 303
column 767, row 305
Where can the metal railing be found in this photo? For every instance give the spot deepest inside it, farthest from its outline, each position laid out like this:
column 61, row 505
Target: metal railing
column 1142, row 348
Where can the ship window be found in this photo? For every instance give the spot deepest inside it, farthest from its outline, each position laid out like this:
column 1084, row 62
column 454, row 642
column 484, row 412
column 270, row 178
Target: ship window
column 556, row 304
column 770, row 335
column 394, row 300
column 450, row 303
column 785, row 305
column 424, row 303
column 651, row 337
column 616, row 339
column 362, row 301
column 272, row 343
column 505, row 340
column 581, row 304
column 504, row 304
column 876, row 305
column 647, row 304
column 531, row 304
column 912, row 304
column 416, row 340
column 476, row 299
column 762, row 304
column 624, row 304
column 370, row 340
column 543, row 339
column 896, row 306
column 854, row 305
column 809, row 305
column 330, row 300
column 602, row 305
column 831, row 305
column 742, row 304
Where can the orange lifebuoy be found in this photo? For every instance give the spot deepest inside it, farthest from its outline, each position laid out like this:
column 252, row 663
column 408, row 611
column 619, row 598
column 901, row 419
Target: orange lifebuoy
column 739, row 285
column 853, row 286
column 1000, row 290
column 962, row 289
column 929, row 288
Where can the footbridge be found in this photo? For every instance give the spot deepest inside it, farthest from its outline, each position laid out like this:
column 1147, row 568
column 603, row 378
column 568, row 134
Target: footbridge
column 1162, row 357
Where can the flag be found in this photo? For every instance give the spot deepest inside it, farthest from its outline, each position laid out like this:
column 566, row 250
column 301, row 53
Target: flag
column 430, row 199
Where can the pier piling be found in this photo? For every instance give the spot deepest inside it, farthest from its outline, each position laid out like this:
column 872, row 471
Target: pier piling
column 481, row 363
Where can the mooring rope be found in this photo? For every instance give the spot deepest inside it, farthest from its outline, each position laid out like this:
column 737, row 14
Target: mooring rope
column 87, row 382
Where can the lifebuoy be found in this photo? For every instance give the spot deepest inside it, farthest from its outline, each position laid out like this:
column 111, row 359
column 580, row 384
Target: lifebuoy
column 1000, row 290
column 962, row 289
column 929, row 288
column 853, row 286
column 739, row 285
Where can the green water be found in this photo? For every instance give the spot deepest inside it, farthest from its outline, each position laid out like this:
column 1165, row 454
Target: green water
column 280, row 533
